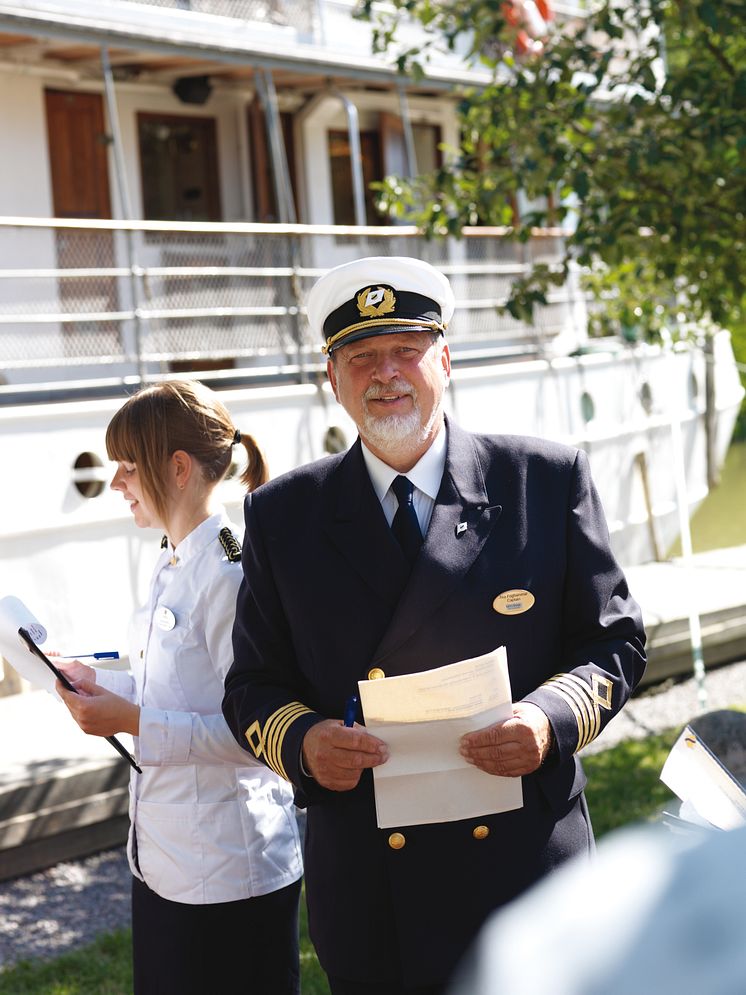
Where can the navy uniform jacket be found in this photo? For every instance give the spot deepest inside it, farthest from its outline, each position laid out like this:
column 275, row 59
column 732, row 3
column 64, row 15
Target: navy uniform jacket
column 325, row 598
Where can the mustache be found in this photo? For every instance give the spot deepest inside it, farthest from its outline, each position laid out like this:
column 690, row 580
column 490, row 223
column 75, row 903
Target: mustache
column 395, row 387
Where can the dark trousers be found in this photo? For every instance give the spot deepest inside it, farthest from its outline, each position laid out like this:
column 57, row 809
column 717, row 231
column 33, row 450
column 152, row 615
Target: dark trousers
column 340, row 986
column 249, row 946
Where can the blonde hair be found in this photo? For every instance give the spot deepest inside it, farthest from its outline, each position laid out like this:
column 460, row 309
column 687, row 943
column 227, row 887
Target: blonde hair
column 179, row 414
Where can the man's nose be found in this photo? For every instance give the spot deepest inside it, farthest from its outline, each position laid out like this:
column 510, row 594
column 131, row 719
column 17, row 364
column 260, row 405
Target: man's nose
column 386, row 367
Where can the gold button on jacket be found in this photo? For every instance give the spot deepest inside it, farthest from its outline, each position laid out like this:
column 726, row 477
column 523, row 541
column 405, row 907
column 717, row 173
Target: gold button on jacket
column 375, row 674
column 397, row 841
column 481, row 832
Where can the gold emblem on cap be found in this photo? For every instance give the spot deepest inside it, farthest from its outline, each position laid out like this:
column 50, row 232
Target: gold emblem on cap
column 375, row 301
column 513, row 602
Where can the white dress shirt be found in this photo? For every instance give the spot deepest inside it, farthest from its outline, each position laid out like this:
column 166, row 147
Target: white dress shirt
column 426, row 476
column 211, row 824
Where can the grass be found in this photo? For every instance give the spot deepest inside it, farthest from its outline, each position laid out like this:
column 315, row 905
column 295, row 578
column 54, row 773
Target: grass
column 624, row 782
column 623, row 787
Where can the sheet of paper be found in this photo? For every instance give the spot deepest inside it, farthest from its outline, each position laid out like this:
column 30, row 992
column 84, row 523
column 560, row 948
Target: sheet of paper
column 422, row 718
column 13, row 615
column 704, row 785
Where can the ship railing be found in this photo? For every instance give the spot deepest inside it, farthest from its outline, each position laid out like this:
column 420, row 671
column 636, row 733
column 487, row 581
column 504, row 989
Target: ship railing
column 302, row 15
column 91, row 299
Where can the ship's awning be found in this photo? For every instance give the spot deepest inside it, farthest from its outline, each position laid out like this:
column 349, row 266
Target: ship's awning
column 165, row 43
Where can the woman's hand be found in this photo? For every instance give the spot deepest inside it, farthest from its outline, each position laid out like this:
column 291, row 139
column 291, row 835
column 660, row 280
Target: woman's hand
column 99, row 712
column 74, row 670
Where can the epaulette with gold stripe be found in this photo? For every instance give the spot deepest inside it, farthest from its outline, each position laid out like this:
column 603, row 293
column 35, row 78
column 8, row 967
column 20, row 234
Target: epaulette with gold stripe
column 230, row 544
column 585, row 700
column 269, row 740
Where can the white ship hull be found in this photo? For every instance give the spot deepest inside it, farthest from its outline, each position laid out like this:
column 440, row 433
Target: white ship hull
column 81, row 565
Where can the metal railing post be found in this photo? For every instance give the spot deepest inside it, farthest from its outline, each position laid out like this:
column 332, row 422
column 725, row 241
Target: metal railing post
column 125, row 205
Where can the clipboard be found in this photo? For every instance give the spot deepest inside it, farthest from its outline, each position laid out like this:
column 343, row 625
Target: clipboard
column 33, row 648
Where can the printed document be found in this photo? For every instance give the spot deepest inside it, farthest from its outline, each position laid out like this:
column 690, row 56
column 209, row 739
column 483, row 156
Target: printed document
column 422, row 717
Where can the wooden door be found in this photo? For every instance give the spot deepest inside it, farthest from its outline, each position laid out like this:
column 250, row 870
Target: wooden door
column 77, row 154
column 78, row 163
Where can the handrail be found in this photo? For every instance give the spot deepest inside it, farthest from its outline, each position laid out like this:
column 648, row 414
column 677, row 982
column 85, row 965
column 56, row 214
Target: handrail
column 262, row 228
column 145, row 298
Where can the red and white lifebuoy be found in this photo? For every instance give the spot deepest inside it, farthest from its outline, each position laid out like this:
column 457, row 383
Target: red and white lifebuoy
column 530, row 19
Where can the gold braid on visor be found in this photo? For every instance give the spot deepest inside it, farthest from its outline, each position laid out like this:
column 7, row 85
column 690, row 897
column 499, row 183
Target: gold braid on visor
column 415, row 324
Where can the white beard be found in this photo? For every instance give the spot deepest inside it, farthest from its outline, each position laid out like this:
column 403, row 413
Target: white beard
column 394, row 433
column 397, row 435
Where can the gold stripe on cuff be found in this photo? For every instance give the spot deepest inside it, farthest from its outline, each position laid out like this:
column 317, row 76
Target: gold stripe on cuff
column 268, row 740
column 275, row 729
column 585, row 702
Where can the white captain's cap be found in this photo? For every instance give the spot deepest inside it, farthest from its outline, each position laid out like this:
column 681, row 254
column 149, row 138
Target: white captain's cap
column 379, row 295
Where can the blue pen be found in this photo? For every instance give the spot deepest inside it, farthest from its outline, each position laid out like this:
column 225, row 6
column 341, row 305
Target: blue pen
column 104, row 655
column 350, row 711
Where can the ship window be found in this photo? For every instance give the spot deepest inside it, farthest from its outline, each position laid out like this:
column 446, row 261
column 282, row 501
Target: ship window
column 646, row 397
column 178, row 167
column 341, row 172
column 587, row 407
column 89, row 475
column 262, row 181
column 335, row 440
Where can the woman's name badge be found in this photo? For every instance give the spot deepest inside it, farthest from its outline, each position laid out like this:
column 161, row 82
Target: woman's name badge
column 165, row 618
column 513, row 602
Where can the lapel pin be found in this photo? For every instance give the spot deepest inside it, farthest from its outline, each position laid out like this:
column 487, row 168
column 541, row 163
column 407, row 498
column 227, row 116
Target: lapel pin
column 461, row 528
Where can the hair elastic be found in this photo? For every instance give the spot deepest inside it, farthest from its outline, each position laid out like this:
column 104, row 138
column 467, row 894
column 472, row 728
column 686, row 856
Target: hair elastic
column 236, row 437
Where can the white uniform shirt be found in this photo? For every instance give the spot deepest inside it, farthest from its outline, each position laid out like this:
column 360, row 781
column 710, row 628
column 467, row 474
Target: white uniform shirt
column 211, row 824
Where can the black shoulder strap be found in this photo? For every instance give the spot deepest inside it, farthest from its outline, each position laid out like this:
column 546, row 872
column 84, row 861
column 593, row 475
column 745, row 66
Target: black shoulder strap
column 230, row 544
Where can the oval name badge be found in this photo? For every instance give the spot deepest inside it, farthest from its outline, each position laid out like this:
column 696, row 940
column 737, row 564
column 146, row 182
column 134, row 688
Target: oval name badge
column 513, row 602
column 165, row 618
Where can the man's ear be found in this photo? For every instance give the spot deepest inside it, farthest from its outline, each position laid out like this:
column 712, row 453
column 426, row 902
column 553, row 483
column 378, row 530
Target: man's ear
column 331, row 373
column 445, row 359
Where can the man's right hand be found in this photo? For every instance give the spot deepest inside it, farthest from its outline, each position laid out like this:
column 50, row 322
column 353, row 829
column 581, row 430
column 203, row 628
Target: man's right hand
column 336, row 755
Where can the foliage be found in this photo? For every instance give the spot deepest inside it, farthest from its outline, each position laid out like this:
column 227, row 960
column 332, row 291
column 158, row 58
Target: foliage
column 628, row 128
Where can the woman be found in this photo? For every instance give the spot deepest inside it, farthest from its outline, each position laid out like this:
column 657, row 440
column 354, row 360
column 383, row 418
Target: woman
column 213, row 843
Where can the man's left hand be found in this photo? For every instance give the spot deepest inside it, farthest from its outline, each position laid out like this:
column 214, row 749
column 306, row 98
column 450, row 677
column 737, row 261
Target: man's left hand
column 512, row 748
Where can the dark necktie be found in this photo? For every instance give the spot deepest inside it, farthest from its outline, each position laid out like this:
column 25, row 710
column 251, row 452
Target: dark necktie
column 405, row 526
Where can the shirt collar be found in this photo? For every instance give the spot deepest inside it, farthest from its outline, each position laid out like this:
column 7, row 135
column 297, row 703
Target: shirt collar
column 199, row 537
column 426, row 474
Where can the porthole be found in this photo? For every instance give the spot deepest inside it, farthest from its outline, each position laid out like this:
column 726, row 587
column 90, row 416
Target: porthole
column 587, row 407
column 646, row 397
column 334, row 440
column 89, row 475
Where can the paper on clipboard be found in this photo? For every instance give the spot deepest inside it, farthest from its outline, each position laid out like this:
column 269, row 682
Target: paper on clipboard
column 422, row 717
column 13, row 615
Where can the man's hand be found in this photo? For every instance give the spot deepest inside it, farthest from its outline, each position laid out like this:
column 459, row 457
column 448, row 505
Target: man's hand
column 511, row 748
column 99, row 712
column 335, row 755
